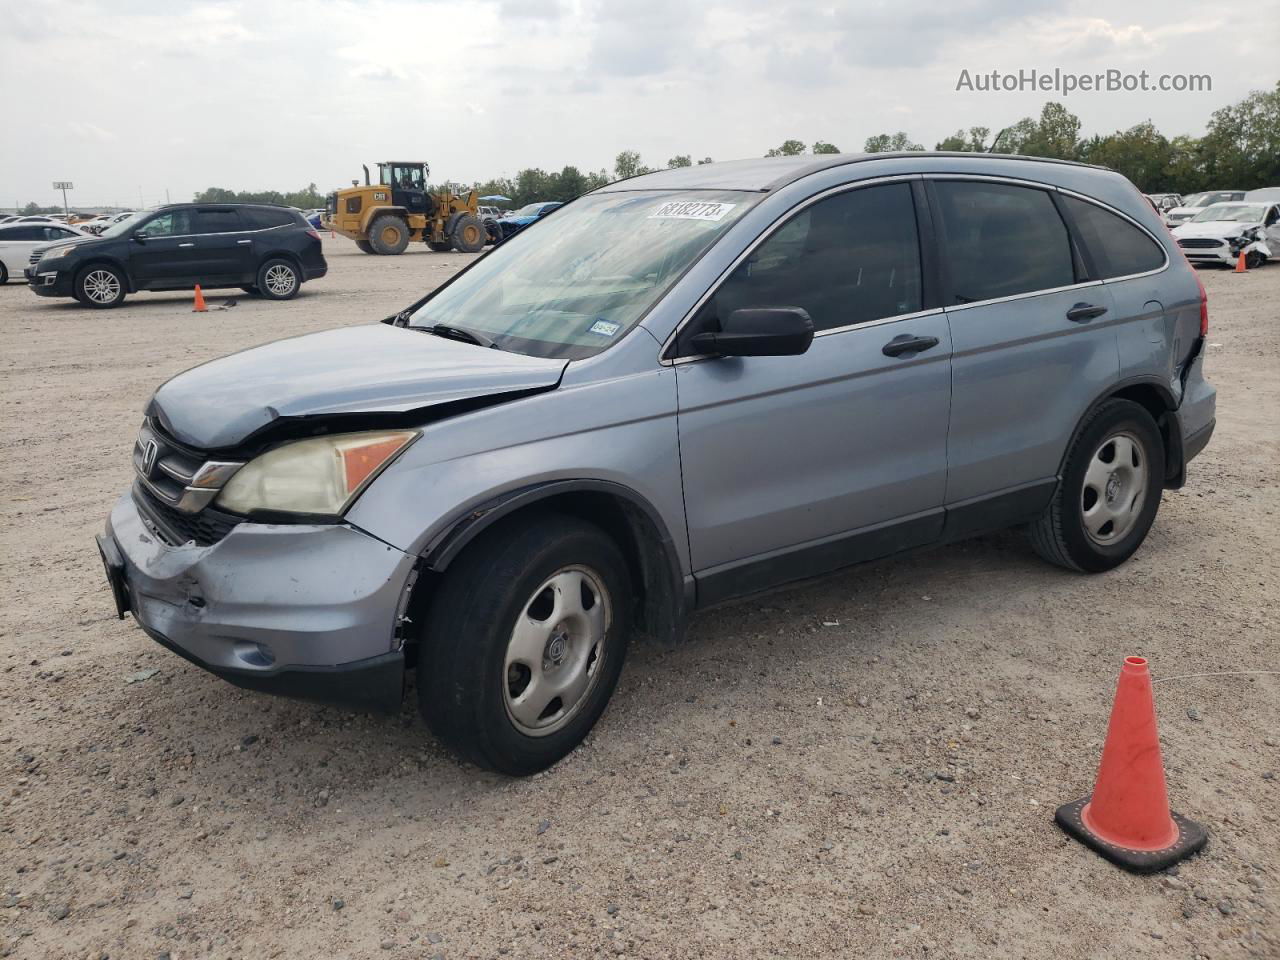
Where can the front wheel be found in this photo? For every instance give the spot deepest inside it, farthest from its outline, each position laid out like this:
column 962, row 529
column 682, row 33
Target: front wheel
column 468, row 234
column 524, row 643
column 1254, row 259
column 363, row 246
column 100, row 286
column 1109, row 494
column 278, row 279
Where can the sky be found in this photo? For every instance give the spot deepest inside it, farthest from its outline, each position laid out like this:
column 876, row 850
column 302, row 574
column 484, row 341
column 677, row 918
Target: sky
column 138, row 101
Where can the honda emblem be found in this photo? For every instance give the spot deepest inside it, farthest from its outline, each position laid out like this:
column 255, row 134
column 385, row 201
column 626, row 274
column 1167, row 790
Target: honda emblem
column 149, row 452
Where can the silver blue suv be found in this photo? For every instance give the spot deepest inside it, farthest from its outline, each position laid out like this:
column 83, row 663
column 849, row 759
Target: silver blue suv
column 679, row 389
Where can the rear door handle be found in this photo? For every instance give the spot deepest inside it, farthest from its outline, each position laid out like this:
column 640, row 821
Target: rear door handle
column 906, row 343
column 186, row 244
column 246, row 242
column 1084, row 312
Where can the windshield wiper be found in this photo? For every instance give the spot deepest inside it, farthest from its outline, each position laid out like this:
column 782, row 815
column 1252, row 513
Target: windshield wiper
column 459, row 333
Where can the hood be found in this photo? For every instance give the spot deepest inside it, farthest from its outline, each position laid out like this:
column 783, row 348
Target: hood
column 373, row 369
column 1217, row 229
column 69, row 242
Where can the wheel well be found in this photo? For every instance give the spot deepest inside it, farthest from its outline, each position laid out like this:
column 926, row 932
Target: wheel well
column 653, row 569
column 1159, row 405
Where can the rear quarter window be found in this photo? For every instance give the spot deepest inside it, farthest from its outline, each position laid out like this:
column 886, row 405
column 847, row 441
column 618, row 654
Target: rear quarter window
column 257, row 218
column 1118, row 247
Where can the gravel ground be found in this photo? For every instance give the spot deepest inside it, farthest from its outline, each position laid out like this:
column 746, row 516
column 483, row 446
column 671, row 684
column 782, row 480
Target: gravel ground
column 862, row 766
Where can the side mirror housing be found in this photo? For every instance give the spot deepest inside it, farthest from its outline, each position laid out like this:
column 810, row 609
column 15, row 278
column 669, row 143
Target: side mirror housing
column 759, row 332
column 139, row 237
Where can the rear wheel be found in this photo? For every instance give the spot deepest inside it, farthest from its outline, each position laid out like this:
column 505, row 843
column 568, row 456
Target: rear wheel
column 100, row 286
column 4, row 273
column 440, row 246
column 524, row 643
column 388, row 234
column 278, row 279
column 468, row 234
column 364, row 246
column 1109, row 494
column 252, row 291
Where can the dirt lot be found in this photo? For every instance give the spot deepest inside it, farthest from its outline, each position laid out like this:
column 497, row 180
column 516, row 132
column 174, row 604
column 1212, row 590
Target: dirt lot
column 866, row 766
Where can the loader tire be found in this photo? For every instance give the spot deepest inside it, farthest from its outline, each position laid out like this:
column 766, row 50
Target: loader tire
column 364, row 246
column 388, row 234
column 468, row 234
column 440, row 246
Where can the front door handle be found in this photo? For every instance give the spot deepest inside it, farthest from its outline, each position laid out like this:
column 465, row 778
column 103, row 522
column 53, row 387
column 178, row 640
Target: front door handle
column 186, row 244
column 1084, row 312
column 244, row 242
column 906, row 343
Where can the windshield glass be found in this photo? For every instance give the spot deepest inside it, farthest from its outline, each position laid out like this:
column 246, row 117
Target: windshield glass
column 576, row 282
column 1242, row 212
column 120, row 226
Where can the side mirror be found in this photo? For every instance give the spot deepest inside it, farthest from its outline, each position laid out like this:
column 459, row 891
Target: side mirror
column 759, row 332
column 139, row 237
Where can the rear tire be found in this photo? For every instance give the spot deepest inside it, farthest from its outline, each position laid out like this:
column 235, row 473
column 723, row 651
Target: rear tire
column 4, row 273
column 1110, row 491
column 388, row 235
column 468, row 234
column 278, row 279
column 524, row 642
column 252, row 291
column 100, row 286
column 443, row 246
column 364, row 246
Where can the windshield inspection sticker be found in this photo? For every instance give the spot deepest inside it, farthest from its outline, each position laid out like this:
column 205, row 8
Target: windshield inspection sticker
column 691, row 210
column 604, row 328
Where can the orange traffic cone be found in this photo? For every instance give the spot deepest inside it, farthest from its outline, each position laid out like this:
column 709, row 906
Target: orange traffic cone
column 1242, row 263
column 199, row 304
column 1127, row 819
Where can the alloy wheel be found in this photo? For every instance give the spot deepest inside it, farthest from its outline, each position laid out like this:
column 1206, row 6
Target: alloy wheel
column 280, row 280
column 101, row 286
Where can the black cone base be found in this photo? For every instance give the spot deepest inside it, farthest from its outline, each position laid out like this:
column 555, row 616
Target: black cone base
column 1191, row 838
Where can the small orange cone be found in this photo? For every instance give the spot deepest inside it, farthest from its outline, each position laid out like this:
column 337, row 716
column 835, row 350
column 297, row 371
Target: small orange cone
column 1127, row 819
column 1242, row 263
column 199, row 305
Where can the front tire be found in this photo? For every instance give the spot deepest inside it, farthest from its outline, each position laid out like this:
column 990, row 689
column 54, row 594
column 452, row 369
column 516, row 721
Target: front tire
column 468, row 234
column 1110, row 491
column 388, row 235
column 364, row 246
column 1254, row 259
column 278, row 279
column 100, row 286
column 524, row 643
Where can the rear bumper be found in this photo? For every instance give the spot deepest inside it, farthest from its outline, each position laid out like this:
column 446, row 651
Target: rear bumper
column 301, row 610
column 1192, row 445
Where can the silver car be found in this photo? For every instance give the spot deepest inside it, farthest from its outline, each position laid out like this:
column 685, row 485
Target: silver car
column 680, row 389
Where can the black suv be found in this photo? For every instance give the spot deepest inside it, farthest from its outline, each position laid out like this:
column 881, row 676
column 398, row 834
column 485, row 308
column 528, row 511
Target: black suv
column 266, row 250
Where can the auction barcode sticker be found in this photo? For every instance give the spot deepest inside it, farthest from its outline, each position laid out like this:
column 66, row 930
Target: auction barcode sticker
column 691, row 210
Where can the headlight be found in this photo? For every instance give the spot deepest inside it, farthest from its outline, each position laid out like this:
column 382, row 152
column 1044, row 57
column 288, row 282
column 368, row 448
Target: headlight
column 318, row 476
column 58, row 252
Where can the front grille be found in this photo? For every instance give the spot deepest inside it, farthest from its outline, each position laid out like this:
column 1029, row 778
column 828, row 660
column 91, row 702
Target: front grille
column 205, row 528
column 1200, row 243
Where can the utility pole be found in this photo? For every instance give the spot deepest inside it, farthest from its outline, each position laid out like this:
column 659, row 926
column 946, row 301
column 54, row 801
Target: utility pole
column 64, row 186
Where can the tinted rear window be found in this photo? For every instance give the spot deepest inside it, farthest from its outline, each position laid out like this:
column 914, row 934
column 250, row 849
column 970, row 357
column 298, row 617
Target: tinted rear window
column 1000, row 241
column 217, row 221
column 1118, row 247
column 262, row 218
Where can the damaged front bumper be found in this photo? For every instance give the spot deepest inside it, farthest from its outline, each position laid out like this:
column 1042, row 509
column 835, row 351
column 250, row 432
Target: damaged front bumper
column 307, row 611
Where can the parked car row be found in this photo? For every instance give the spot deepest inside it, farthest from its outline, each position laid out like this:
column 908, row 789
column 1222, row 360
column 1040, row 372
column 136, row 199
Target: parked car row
column 500, row 228
column 23, row 235
column 1221, row 232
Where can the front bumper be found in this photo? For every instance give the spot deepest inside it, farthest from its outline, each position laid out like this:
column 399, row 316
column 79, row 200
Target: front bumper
column 49, row 283
column 301, row 610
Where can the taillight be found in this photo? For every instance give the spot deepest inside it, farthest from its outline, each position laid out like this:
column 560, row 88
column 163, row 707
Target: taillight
column 1204, row 306
column 312, row 233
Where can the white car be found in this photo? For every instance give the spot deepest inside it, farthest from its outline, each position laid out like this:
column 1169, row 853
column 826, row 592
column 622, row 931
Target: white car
column 1221, row 232
column 19, row 239
column 1264, row 195
column 1197, row 202
column 107, row 221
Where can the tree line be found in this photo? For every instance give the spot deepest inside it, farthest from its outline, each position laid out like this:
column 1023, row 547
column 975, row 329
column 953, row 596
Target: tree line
column 1240, row 150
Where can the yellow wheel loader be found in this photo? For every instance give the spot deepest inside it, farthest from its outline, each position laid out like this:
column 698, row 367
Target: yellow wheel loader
column 384, row 217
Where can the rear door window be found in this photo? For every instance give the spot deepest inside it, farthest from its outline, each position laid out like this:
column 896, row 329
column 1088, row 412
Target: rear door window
column 217, row 221
column 259, row 218
column 1119, row 248
column 999, row 240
